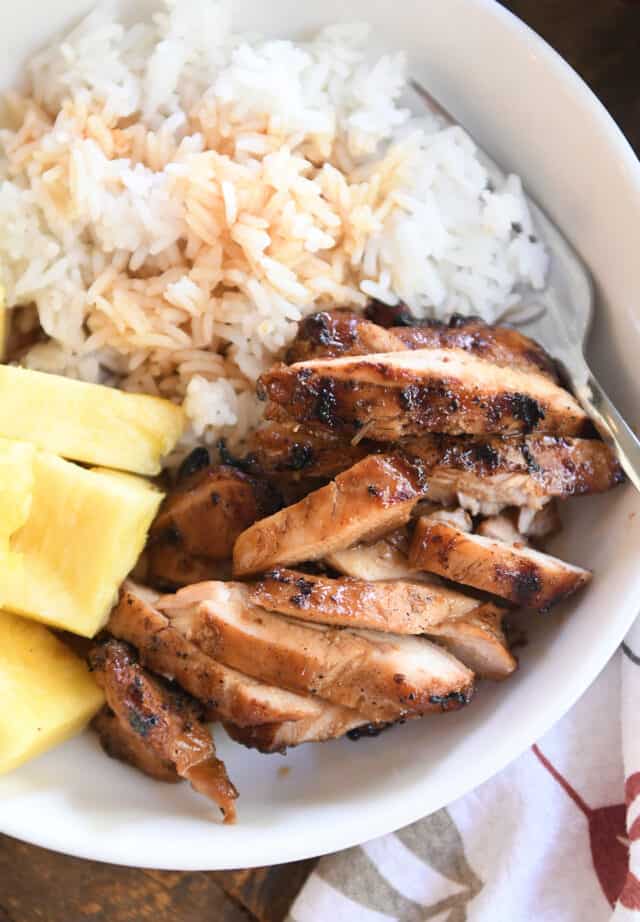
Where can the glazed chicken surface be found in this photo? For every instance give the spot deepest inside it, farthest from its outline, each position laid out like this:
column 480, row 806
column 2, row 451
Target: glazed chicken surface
column 360, row 565
column 160, row 727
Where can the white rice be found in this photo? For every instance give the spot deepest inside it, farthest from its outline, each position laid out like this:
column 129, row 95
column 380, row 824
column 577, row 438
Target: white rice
column 174, row 198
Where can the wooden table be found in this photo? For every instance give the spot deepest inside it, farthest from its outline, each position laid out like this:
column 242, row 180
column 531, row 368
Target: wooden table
column 600, row 39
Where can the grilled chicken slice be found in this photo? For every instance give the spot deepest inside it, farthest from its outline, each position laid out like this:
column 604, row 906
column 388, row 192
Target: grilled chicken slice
column 373, row 497
column 391, row 316
column 330, row 334
column 291, row 449
column 521, row 575
column 488, row 474
column 165, row 719
column 386, row 396
column 386, row 558
column 484, row 476
column 331, row 724
column 503, row 346
column 502, row 528
column 225, row 693
column 204, row 514
column 169, row 567
column 517, row 526
column 120, row 741
column 383, row 676
column 459, row 518
column 393, row 606
column 500, row 344
column 479, row 642
column 539, row 523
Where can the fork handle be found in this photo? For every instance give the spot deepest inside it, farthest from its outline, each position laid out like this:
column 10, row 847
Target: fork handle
column 612, row 426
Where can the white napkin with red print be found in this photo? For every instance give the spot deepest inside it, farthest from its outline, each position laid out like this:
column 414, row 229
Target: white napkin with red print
column 554, row 838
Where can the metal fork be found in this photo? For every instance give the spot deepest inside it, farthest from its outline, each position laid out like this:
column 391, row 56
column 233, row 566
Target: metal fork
column 563, row 326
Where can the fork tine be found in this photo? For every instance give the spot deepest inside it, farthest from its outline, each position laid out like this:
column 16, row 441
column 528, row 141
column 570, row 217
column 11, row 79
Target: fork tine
column 564, row 337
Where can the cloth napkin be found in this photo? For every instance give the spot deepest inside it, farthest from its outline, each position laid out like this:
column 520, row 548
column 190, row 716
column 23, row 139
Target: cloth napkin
column 554, row 838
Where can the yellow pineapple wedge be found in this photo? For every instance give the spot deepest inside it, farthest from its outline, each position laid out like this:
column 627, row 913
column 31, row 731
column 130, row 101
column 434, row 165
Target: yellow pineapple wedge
column 48, row 693
column 4, row 324
column 88, row 422
column 84, row 533
column 16, row 486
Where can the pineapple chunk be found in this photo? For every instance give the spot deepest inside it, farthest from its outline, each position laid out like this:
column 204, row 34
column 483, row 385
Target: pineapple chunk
column 16, row 486
column 84, row 534
column 48, row 694
column 88, row 422
column 4, row 323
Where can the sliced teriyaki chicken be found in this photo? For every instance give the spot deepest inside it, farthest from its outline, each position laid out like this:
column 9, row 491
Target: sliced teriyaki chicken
column 393, row 606
column 120, row 741
column 389, row 395
column 479, row 642
column 169, row 566
column 373, row 497
column 202, row 517
column 331, row 724
column 390, row 316
column 486, row 475
column 539, row 523
column 526, row 577
column 459, row 518
column 330, row 334
column 502, row 528
column 289, row 448
column 225, row 693
column 517, row 526
column 382, row 676
column 387, row 558
column 165, row 719
column 502, row 345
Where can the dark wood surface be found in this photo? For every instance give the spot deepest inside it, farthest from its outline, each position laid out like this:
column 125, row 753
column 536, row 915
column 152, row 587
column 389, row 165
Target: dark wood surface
column 600, row 38
column 41, row 886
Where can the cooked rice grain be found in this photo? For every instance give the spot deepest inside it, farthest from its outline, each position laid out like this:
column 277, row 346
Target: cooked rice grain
column 174, row 198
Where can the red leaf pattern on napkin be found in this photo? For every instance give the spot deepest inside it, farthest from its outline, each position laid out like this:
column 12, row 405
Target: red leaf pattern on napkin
column 607, row 837
column 632, row 788
column 630, row 896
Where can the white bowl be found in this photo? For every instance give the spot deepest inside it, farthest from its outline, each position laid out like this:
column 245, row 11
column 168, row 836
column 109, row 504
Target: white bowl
column 529, row 109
